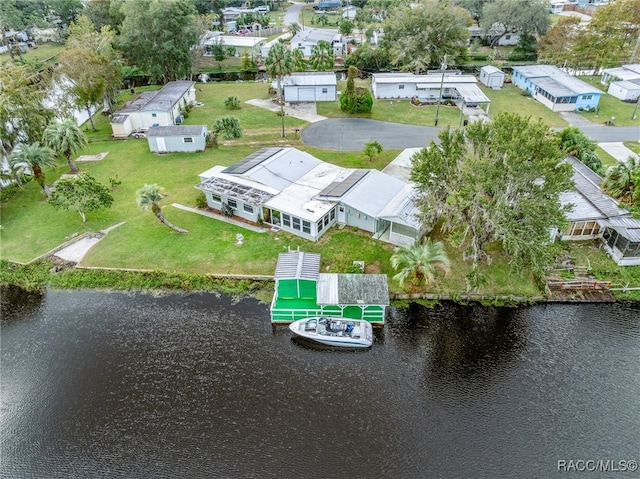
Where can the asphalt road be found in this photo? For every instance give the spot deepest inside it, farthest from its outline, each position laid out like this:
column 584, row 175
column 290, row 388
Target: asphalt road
column 350, row 134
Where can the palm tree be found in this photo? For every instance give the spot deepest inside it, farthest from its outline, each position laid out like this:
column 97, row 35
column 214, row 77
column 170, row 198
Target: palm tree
column 623, row 180
column 34, row 157
column 279, row 62
column 419, row 260
column 299, row 63
column 148, row 197
column 322, row 58
column 294, row 28
column 65, row 138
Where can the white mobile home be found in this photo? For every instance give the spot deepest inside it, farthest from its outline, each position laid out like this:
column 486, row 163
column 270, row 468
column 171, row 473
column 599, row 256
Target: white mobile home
column 624, row 90
column 154, row 108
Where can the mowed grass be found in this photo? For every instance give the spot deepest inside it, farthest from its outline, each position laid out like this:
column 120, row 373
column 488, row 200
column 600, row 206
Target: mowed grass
column 509, row 99
column 610, row 107
column 39, row 53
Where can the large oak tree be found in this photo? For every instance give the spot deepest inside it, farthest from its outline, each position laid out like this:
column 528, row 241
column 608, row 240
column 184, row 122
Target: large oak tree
column 495, row 182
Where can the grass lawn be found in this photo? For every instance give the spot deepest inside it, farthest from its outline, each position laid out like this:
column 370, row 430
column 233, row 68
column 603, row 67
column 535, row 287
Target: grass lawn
column 610, row 107
column 633, row 145
column 510, row 99
column 38, row 54
column 31, row 227
column 606, row 158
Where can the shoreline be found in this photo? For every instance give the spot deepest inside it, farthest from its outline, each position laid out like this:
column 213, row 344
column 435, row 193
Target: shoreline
column 61, row 274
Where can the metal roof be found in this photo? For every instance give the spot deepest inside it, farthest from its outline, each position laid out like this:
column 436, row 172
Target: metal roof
column 631, row 227
column 169, row 95
column 402, row 208
column 298, row 265
column 401, row 166
column 252, row 160
column 301, row 198
column 339, row 187
column 177, row 130
column 352, row 289
column 119, row 119
column 373, row 193
column 490, row 69
column 423, row 81
column 310, row 79
column 625, row 72
column 137, row 103
column 314, row 35
column 279, row 169
column 591, row 198
column 471, row 93
column 574, row 85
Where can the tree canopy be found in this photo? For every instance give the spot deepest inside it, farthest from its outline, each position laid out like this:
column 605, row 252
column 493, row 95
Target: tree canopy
column 156, row 36
column 497, row 181
column 501, row 17
column 23, row 116
column 322, row 58
column 81, row 194
column 419, row 37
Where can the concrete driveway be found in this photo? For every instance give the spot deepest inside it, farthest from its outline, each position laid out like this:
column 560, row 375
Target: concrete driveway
column 350, row 134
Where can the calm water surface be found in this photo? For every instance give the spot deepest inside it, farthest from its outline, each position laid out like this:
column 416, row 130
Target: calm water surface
column 112, row 385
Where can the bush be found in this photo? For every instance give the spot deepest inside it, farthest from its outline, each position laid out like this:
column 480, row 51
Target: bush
column 359, row 101
column 229, row 127
column 201, row 200
column 8, row 192
column 232, row 103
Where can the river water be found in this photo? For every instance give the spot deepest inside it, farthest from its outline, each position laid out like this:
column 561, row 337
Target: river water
column 113, row 385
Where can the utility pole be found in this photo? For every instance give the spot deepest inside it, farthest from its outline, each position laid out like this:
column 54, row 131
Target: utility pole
column 443, row 67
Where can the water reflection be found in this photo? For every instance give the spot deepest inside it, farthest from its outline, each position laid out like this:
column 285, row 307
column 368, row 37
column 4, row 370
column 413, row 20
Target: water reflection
column 18, row 304
column 136, row 385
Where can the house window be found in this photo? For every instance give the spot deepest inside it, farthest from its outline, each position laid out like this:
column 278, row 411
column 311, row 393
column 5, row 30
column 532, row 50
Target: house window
column 507, row 37
column 326, row 220
column 332, row 214
column 187, row 139
column 400, row 87
column 587, row 97
column 216, row 198
column 248, row 208
column 319, row 226
column 286, row 220
column 324, row 90
column 232, row 203
column 153, row 115
column 295, row 223
column 306, row 227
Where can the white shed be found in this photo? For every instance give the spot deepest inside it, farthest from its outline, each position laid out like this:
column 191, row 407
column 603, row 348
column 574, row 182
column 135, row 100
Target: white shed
column 492, row 77
column 309, row 86
column 625, row 90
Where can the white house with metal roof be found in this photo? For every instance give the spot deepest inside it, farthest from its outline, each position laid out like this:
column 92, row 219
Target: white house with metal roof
column 309, row 86
column 298, row 193
column 428, row 88
column 307, row 38
column 629, row 72
column 154, row 108
column 595, row 214
column 555, row 88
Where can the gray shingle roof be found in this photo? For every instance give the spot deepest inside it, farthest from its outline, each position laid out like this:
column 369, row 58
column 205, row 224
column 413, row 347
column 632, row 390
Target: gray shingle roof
column 360, row 289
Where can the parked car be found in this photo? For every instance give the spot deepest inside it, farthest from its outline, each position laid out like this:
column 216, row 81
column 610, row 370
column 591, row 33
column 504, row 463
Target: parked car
column 140, row 133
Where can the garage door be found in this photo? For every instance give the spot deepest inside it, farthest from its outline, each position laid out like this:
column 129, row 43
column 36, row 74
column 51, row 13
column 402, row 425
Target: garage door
column 306, row 94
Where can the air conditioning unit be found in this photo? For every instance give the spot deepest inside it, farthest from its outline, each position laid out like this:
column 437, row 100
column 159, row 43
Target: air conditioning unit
column 179, row 119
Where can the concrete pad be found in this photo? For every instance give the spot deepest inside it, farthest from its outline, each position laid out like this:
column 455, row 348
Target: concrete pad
column 303, row 111
column 97, row 157
column 618, row 151
column 76, row 251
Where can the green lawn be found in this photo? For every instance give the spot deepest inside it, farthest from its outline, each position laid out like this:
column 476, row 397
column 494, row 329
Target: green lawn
column 606, row 158
column 38, row 54
column 31, row 227
column 510, row 99
column 610, row 107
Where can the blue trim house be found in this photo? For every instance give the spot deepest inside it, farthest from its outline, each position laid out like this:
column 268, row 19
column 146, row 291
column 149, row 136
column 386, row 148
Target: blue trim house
column 556, row 89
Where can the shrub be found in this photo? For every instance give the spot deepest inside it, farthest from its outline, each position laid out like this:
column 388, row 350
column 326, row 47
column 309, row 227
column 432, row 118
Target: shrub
column 201, row 200
column 360, row 101
column 229, row 127
column 7, row 192
column 232, row 103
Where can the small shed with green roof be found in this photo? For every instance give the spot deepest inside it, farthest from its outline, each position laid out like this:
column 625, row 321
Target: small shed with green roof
column 302, row 291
